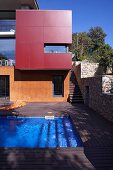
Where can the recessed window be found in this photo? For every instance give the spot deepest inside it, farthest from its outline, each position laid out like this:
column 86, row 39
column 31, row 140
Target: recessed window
column 55, row 48
column 58, row 85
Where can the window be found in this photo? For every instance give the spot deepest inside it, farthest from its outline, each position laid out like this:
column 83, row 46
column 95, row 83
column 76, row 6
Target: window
column 58, row 85
column 7, row 25
column 7, row 52
column 48, row 48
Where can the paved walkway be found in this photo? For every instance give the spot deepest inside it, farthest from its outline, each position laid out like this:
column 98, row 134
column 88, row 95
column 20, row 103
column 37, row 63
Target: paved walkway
column 95, row 132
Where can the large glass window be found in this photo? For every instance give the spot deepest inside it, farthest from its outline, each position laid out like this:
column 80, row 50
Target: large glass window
column 55, row 48
column 58, row 85
column 7, row 52
column 7, row 25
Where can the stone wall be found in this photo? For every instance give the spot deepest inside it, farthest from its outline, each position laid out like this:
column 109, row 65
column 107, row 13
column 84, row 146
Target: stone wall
column 90, row 69
column 107, row 83
column 95, row 89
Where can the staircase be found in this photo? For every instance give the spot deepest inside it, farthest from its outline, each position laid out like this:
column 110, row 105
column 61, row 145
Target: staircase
column 75, row 93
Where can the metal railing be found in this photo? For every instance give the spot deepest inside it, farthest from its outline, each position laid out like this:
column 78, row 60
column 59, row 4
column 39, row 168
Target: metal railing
column 8, row 62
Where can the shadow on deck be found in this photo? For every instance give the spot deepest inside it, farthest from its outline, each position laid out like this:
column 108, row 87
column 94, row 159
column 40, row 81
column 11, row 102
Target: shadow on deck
column 95, row 132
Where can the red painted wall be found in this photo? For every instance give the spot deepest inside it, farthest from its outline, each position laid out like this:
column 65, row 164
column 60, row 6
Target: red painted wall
column 33, row 29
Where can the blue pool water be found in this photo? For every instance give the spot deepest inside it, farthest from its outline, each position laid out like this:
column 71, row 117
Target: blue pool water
column 37, row 132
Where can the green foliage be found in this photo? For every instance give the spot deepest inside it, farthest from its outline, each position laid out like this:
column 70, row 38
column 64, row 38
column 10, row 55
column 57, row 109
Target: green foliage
column 97, row 36
column 91, row 46
column 2, row 57
column 81, row 44
column 106, row 59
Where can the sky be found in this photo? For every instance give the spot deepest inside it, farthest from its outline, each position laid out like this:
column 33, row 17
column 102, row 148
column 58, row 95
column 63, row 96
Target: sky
column 86, row 14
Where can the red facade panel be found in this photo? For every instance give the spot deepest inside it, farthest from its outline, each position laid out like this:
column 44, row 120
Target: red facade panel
column 29, row 34
column 29, row 18
column 57, row 35
column 23, row 61
column 57, row 19
column 33, row 30
column 58, row 61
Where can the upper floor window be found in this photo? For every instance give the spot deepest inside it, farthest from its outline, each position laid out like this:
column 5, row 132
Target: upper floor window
column 51, row 48
column 7, row 52
column 7, row 25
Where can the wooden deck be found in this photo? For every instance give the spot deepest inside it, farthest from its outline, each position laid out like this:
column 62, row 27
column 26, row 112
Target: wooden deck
column 95, row 132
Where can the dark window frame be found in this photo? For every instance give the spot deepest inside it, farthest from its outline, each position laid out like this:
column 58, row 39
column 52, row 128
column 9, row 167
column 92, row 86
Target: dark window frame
column 6, row 89
column 62, row 90
column 56, row 45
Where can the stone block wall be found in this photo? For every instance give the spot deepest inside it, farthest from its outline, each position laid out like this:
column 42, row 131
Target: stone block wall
column 95, row 89
column 107, row 83
column 90, row 69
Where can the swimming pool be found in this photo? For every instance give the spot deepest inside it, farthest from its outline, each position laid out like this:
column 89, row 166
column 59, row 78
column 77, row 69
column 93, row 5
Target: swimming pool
column 37, row 132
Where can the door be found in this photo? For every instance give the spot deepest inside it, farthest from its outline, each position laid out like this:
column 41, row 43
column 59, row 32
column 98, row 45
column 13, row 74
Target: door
column 4, row 86
column 58, row 85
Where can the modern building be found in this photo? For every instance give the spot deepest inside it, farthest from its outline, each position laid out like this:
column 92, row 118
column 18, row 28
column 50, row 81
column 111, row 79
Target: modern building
column 34, row 52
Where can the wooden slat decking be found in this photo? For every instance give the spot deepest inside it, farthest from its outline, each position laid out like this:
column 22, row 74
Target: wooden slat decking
column 95, row 132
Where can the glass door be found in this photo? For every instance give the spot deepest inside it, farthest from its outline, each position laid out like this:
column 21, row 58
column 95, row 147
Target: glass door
column 4, row 86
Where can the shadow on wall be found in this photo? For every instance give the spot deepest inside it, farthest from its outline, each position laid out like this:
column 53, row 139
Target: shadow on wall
column 37, row 75
column 102, row 71
column 111, row 88
column 75, row 91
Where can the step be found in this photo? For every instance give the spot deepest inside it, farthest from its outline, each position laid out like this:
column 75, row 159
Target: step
column 77, row 89
column 75, row 92
column 76, row 96
column 74, row 86
column 78, row 101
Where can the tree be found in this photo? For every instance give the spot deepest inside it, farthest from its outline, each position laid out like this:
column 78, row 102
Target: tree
column 106, row 57
column 84, row 44
column 97, row 36
column 2, row 57
column 91, row 46
column 81, row 44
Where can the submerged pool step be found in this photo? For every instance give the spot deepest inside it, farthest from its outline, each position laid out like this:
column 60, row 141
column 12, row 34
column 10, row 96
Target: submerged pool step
column 37, row 132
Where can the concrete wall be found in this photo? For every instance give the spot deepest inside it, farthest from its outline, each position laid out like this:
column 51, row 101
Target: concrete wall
column 34, row 86
column 95, row 89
